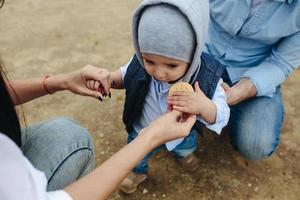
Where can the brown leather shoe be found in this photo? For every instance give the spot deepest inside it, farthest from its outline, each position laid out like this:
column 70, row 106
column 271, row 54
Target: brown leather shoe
column 130, row 183
column 190, row 163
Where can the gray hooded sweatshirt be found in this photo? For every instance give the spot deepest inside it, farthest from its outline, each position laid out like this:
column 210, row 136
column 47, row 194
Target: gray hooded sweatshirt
column 197, row 13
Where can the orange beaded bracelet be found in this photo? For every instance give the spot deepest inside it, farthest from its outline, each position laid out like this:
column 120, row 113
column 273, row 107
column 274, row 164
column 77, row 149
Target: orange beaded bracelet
column 45, row 85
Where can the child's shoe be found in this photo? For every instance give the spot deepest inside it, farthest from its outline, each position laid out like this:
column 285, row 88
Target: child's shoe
column 130, row 183
column 189, row 163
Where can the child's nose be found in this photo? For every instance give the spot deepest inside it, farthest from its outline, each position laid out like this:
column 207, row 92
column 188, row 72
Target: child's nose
column 160, row 74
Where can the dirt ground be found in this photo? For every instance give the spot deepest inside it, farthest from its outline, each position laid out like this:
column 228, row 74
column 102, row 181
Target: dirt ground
column 48, row 37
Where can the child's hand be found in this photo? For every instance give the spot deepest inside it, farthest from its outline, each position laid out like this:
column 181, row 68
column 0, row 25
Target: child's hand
column 188, row 102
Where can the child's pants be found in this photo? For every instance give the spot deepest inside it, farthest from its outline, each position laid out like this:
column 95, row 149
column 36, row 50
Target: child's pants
column 185, row 148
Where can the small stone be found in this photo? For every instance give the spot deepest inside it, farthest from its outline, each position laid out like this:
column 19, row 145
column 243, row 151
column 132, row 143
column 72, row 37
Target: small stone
column 249, row 184
column 145, row 191
column 163, row 196
column 101, row 135
column 235, row 183
column 102, row 152
column 281, row 153
column 255, row 189
column 107, row 142
column 154, row 195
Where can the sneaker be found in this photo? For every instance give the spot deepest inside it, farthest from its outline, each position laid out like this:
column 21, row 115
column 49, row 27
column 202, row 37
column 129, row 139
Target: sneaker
column 130, row 183
column 190, row 163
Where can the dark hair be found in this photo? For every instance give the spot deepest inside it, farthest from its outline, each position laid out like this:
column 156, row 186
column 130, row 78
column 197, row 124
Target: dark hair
column 9, row 121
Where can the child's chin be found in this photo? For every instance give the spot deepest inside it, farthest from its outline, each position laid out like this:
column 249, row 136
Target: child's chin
column 172, row 82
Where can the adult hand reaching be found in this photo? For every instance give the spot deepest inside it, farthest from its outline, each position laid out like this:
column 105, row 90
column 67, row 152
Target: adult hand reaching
column 111, row 172
column 79, row 81
column 239, row 92
column 169, row 127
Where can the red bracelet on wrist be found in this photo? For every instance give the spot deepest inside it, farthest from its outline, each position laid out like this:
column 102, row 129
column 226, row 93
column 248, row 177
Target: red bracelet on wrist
column 45, row 85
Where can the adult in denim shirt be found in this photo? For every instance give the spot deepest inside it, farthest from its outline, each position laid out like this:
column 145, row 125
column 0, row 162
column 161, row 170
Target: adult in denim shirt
column 259, row 41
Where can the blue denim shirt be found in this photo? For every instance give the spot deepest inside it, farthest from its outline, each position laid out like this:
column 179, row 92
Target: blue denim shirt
column 264, row 47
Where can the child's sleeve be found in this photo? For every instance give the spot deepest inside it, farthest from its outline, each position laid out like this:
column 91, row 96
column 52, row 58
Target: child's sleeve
column 123, row 70
column 223, row 111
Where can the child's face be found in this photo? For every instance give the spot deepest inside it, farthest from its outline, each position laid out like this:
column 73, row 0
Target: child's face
column 164, row 69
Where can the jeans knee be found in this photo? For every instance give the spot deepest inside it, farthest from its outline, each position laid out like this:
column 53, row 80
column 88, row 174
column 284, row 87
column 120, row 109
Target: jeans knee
column 72, row 167
column 69, row 131
column 256, row 150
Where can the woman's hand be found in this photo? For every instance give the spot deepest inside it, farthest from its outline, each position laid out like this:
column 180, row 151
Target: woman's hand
column 239, row 92
column 169, row 127
column 89, row 81
column 22, row 91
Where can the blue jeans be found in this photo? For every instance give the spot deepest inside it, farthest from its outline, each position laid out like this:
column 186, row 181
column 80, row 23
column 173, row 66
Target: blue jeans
column 185, row 148
column 255, row 125
column 61, row 148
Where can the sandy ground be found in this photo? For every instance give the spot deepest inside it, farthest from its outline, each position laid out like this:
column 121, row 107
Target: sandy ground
column 48, row 37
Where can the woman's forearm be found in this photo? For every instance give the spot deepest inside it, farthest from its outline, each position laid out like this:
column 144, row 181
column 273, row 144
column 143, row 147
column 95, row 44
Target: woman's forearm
column 100, row 183
column 22, row 91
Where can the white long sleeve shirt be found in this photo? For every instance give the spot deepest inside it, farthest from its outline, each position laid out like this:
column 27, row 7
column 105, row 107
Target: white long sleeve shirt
column 19, row 179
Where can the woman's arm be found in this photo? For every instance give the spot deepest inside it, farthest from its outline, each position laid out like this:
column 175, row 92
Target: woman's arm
column 103, row 181
column 23, row 91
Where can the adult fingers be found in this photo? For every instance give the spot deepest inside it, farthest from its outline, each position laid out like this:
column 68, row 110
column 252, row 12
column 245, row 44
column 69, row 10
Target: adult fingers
column 91, row 93
column 100, row 75
column 190, row 120
column 225, row 86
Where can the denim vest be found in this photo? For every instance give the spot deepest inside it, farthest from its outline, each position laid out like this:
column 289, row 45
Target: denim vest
column 137, row 81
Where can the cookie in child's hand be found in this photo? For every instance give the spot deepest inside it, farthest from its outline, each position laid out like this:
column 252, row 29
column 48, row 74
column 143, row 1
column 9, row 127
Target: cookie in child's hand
column 180, row 86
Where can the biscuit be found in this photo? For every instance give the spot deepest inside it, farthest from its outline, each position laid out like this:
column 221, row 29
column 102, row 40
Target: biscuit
column 180, row 86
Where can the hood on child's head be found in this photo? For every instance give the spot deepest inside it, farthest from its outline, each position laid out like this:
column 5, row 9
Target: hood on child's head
column 196, row 12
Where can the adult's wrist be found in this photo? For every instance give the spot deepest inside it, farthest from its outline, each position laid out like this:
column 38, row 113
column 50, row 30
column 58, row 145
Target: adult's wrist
column 248, row 87
column 56, row 83
column 150, row 138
